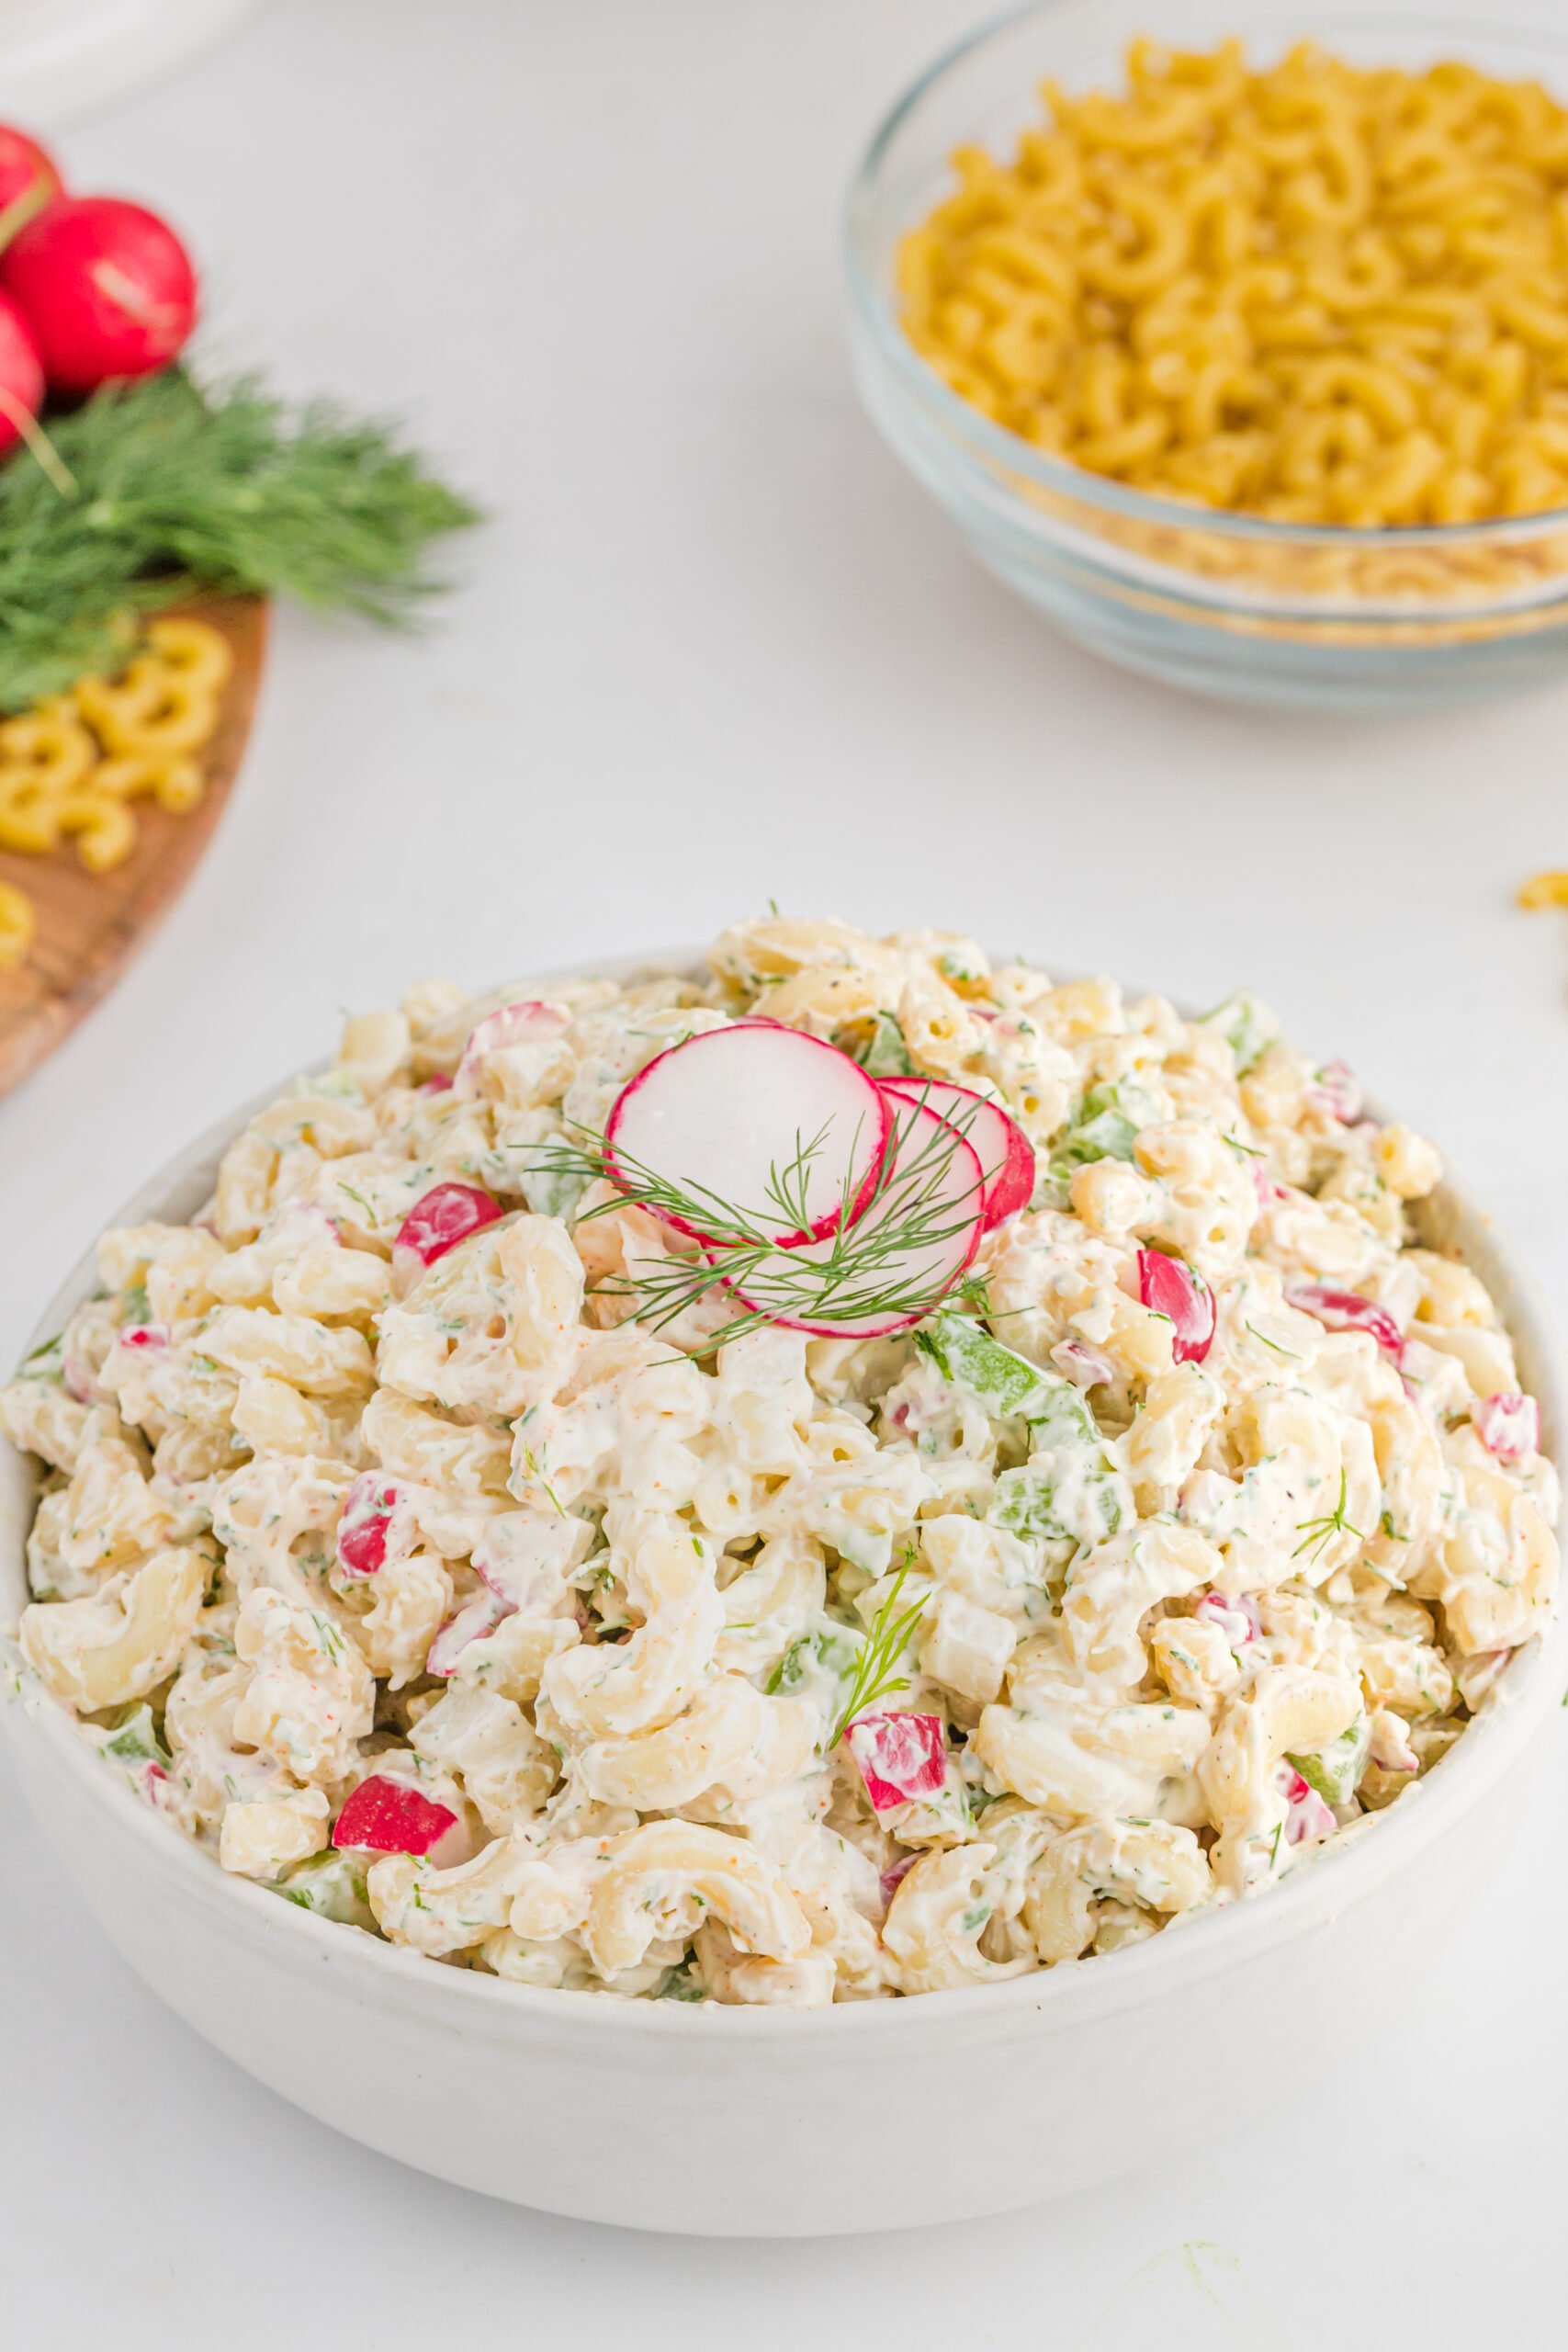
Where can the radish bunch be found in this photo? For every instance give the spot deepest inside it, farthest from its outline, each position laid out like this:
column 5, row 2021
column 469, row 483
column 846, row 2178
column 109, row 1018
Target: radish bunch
column 92, row 288
column 833, row 1202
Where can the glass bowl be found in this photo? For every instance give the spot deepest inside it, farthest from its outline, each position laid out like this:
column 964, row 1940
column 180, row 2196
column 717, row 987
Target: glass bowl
column 1282, row 616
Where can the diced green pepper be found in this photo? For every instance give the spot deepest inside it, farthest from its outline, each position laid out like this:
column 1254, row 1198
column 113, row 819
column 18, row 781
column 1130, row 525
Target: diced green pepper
column 134, row 1739
column 1249, row 1028
column 1336, row 1771
column 331, row 1884
column 964, row 1352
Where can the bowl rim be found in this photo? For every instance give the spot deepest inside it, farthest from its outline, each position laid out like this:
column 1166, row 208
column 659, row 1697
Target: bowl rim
column 1189, row 1949
column 874, row 309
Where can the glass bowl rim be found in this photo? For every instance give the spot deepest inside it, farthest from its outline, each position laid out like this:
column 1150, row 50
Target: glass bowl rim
column 873, row 308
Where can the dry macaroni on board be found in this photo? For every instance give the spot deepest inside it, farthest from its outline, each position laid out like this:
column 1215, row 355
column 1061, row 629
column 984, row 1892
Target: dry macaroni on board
column 72, row 767
column 459, row 1557
column 1318, row 293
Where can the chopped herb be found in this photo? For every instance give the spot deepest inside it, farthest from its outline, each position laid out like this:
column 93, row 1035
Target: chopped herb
column 1317, row 1534
column 876, row 1674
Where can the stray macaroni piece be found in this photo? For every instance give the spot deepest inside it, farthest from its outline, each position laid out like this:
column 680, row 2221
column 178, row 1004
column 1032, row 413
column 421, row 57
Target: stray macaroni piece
column 18, row 926
column 71, row 767
column 1319, row 292
column 387, row 1548
column 1547, row 889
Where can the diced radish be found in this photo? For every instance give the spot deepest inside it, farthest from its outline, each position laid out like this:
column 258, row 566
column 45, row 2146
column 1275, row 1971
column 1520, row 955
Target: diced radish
column 376, row 1524
column 143, row 1335
column 722, row 1111
column 392, row 1818
column 1085, row 1366
column 530, row 1023
column 1309, row 1819
column 894, row 1878
column 1388, row 1745
column 1347, row 1310
column 438, row 1084
column 480, row 1616
column 1237, row 1619
column 1508, row 1425
column 77, row 1375
column 931, row 1178
column 1171, row 1287
column 442, row 1218
column 899, row 1758
column 1265, row 1190
column 1005, row 1152
column 1333, row 1089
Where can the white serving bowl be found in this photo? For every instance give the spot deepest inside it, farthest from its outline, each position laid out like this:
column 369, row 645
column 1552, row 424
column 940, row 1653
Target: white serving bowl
column 740, row 2122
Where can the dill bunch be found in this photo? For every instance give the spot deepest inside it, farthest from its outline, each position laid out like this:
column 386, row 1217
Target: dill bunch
column 168, row 488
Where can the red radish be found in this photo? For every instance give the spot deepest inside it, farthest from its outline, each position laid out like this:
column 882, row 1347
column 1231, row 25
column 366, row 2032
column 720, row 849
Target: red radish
column 1335, row 1090
column 894, row 1878
column 1309, row 1819
column 1237, row 1619
column 528, row 1023
column 1005, row 1152
column 721, row 1112
column 392, row 1818
column 899, row 1757
column 21, row 374
column 480, row 1616
column 143, row 1335
column 376, row 1524
column 931, row 1180
column 1508, row 1425
column 1265, row 1192
column 28, row 177
column 439, row 1084
column 1347, row 1310
column 442, row 1218
column 108, row 286
column 1171, row 1287
column 1085, row 1366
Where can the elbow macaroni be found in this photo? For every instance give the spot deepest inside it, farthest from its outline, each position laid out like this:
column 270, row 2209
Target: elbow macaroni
column 311, row 1515
column 1315, row 292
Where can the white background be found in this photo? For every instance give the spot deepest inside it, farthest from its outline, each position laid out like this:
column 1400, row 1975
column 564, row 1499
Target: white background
column 715, row 649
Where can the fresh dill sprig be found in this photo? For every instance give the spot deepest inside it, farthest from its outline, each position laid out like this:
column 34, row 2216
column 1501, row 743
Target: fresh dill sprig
column 1317, row 1532
column 165, row 489
column 869, row 1267
column 877, row 1676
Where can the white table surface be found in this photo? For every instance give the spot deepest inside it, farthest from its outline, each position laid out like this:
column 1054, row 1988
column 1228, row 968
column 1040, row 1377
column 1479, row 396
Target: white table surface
column 715, row 648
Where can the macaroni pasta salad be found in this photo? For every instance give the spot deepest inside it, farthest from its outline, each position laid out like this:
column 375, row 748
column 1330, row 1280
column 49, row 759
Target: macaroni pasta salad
column 394, row 1555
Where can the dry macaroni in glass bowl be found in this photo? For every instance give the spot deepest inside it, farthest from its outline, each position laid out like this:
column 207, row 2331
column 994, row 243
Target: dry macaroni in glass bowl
column 403, row 1556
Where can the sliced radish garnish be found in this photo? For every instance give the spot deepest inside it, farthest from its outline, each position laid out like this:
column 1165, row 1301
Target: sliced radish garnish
column 1508, row 1425
column 1237, row 1619
column 903, row 1252
column 376, row 1524
column 720, row 1113
column 1347, row 1310
column 1005, row 1152
column 899, row 1757
column 1171, row 1287
column 480, row 1616
column 442, row 1218
column 392, row 1818
column 531, row 1023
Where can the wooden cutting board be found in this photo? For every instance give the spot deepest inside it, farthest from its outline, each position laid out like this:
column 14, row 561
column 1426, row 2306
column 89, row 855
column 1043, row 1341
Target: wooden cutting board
column 90, row 925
